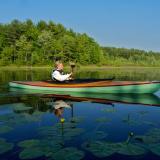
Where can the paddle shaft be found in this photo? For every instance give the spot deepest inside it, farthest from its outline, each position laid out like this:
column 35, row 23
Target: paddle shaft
column 72, row 69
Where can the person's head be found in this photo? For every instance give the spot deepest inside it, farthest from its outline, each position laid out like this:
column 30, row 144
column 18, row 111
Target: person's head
column 59, row 65
column 58, row 112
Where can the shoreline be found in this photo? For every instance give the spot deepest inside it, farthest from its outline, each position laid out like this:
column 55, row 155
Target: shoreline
column 78, row 67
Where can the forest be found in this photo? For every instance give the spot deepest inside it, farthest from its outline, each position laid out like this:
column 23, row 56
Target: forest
column 130, row 57
column 40, row 44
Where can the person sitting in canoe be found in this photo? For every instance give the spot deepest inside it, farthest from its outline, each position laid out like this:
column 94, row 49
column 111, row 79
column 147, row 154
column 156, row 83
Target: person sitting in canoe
column 57, row 74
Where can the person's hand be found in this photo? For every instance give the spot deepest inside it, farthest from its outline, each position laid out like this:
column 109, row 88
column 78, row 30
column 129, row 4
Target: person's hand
column 70, row 78
column 70, row 74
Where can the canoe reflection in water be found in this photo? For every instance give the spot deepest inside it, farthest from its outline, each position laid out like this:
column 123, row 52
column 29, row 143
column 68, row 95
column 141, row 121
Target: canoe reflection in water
column 58, row 107
column 143, row 99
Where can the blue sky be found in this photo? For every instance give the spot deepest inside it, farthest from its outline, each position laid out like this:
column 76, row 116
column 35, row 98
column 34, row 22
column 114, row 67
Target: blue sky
column 119, row 23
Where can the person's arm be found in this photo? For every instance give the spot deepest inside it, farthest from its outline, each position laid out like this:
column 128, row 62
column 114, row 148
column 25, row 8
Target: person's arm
column 60, row 77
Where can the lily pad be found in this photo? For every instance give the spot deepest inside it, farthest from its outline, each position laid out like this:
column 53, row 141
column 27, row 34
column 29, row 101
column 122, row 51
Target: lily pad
column 47, row 131
column 31, row 118
column 6, row 117
column 76, row 119
column 95, row 135
column 15, row 119
column 2, row 140
column 154, row 134
column 149, row 123
column 130, row 121
column 100, row 134
column 60, row 131
column 50, row 146
column 146, row 139
column 154, row 131
column 34, row 148
column 155, row 148
column 108, row 110
column 38, row 113
column 66, row 125
column 31, row 153
column 21, row 107
column 69, row 134
column 5, row 146
column 103, row 120
column 100, row 149
column 69, row 153
column 104, row 149
column 74, row 132
column 5, row 129
column 29, row 143
column 143, row 112
column 131, row 150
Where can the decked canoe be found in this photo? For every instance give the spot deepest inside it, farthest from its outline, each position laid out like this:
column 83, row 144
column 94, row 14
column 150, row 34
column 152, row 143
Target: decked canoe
column 94, row 86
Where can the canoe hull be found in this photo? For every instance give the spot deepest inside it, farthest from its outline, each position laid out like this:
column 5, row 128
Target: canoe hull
column 129, row 88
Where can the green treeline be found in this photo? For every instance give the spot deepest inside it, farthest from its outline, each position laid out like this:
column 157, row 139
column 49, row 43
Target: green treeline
column 130, row 57
column 27, row 43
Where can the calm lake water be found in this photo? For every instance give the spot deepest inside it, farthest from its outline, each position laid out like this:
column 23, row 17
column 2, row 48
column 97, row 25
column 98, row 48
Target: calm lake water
column 44, row 127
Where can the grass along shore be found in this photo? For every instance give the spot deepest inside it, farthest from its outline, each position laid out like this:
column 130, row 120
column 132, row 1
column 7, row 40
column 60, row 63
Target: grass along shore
column 79, row 67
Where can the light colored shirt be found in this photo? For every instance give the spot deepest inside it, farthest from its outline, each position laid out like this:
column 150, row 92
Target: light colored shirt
column 58, row 104
column 58, row 76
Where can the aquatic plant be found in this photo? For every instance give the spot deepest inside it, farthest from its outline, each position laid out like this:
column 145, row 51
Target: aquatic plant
column 103, row 119
column 74, row 132
column 69, row 153
column 130, row 121
column 109, row 110
column 99, row 148
column 76, row 119
column 6, row 117
column 50, row 146
column 155, row 148
column 94, row 135
column 29, row 143
column 5, row 129
column 149, row 123
column 31, row 153
column 103, row 149
column 131, row 149
column 5, row 146
column 32, row 117
column 62, row 120
column 143, row 112
column 15, row 119
column 152, row 136
column 47, row 130
column 100, row 134
column 63, row 131
column 34, row 148
column 155, row 132
column 66, row 125
column 18, row 107
column 130, row 135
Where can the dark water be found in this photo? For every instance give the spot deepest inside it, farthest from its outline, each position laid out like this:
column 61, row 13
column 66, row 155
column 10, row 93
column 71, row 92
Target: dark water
column 45, row 127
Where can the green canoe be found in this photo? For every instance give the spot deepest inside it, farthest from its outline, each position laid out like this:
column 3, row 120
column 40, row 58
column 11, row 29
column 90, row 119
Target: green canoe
column 94, row 86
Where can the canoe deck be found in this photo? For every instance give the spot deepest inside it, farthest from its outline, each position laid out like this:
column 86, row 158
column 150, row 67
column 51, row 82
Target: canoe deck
column 101, row 86
column 52, row 84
